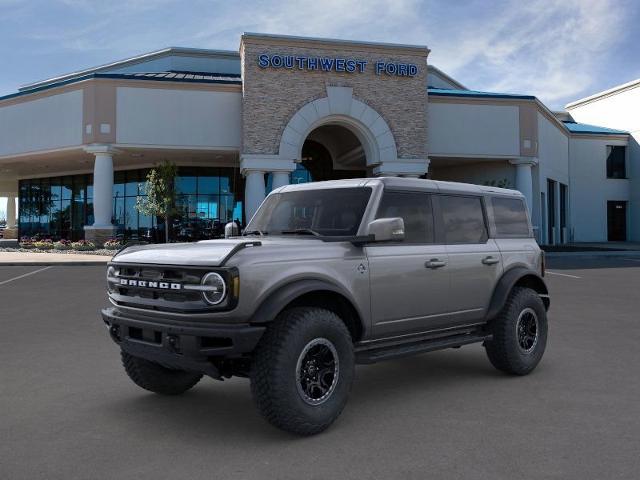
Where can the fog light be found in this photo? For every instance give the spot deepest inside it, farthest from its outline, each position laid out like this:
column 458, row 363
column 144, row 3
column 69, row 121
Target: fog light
column 216, row 289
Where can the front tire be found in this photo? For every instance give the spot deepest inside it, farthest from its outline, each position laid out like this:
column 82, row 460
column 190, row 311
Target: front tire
column 302, row 370
column 156, row 378
column 519, row 333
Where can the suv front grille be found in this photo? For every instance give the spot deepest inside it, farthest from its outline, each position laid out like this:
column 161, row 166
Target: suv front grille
column 156, row 287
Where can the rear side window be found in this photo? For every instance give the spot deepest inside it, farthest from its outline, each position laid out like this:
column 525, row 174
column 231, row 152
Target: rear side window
column 414, row 209
column 463, row 219
column 510, row 217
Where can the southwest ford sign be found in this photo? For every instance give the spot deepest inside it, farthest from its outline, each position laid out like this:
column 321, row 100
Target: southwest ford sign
column 336, row 64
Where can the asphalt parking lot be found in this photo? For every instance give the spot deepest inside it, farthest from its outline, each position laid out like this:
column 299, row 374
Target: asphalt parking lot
column 68, row 411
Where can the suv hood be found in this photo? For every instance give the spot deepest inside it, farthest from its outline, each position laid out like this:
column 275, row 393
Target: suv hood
column 210, row 252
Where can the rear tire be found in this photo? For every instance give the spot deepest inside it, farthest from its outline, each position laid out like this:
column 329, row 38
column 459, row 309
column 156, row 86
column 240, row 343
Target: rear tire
column 156, row 378
column 519, row 333
column 302, row 370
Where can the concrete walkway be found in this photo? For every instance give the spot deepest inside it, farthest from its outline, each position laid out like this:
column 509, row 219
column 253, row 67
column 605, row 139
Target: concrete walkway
column 33, row 258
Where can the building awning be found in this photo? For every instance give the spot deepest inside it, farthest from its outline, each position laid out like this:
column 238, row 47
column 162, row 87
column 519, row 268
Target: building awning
column 575, row 127
column 475, row 93
column 170, row 76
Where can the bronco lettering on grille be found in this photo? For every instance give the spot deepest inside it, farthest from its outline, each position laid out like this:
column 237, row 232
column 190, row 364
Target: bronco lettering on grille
column 147, row 284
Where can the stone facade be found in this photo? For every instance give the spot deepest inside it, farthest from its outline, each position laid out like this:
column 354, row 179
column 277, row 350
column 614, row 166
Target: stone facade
column 98, row 235
column 272, row 96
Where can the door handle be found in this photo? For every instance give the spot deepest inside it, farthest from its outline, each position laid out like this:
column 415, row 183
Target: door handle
column 434, row 263
column 490, row 260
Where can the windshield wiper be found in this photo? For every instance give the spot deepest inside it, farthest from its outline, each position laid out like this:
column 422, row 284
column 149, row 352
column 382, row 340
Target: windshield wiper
column 254, row 232
column 301, row 231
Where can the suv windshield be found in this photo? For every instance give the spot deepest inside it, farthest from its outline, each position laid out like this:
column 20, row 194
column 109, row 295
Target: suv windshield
column 322, row 212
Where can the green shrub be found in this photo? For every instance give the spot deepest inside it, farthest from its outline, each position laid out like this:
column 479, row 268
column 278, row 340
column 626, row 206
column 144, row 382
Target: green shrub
column 83, row 245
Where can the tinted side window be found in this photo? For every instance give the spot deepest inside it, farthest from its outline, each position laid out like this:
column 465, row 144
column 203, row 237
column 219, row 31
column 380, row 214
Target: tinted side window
column 510, row 217
column 463, row 219
column 616, row 163
column 414, row 209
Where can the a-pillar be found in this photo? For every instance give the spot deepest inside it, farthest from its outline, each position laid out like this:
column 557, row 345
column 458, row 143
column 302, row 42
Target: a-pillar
column 102, row 228
column 524, row 178
column 254, row 167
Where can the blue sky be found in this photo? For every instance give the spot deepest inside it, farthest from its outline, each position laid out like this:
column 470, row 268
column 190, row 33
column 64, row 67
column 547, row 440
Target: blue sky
column 557, row 50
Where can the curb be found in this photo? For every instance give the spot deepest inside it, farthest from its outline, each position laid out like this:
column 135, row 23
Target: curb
column 616, row 253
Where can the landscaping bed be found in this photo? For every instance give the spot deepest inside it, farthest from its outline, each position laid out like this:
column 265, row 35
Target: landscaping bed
column 83, row 247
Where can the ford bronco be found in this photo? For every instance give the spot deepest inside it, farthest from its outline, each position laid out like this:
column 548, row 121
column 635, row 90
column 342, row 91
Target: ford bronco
column 328, row 275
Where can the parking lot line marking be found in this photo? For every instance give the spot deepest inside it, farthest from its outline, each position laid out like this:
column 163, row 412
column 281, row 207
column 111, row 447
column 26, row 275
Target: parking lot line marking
column 563, row 274
column 25, row 275
column 632, row 259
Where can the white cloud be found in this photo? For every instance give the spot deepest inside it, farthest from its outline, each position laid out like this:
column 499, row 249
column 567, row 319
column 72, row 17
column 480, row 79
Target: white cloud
column 548, row 48
column 554, row 49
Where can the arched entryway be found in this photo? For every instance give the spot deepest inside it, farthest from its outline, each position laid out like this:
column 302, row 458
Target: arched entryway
column 334, row 137
column 333, row 152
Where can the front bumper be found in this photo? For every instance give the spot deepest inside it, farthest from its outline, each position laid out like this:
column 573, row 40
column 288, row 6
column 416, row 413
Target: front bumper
column 182, row 346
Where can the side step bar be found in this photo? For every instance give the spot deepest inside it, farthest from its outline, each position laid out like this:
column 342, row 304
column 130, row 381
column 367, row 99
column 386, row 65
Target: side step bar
column 365, row 355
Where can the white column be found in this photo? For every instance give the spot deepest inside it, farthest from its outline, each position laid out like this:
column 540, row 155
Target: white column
column 280, row 179
column 11, row 211
column 102, row 186
column 253, row 192
column 524, row 178
column 253, row 167
column 102, row 229
column 402, row 167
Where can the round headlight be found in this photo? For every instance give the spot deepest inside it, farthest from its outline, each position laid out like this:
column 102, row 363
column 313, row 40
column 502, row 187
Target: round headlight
column 111, row 275
column 216, row 289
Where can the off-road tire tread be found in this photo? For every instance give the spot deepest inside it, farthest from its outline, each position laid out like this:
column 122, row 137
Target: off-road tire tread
column 156, row 378
column 264, row 389
column 502, row 350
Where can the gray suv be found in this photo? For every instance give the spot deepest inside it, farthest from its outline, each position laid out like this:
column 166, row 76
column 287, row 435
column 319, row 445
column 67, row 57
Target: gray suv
column 327, row 275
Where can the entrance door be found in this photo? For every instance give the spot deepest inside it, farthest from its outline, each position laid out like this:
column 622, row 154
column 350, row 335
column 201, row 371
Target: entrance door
column 617, row 221
column 409, row 279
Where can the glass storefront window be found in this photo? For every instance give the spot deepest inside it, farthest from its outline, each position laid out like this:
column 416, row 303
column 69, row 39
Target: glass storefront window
column 60, row 207
column 208, row 184
column 186, row 182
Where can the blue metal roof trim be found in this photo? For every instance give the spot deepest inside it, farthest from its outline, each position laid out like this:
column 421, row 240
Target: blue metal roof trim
column 228, row 79
column 575, row 127
column 443, row 92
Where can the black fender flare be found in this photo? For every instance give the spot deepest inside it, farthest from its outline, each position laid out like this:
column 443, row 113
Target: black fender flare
column 285, row 294
column 509, row 279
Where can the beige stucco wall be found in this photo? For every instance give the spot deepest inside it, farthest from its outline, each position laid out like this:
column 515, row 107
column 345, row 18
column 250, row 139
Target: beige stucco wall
column 460, row 129
column 178, row 117
column 272, row 96
column 50, row 122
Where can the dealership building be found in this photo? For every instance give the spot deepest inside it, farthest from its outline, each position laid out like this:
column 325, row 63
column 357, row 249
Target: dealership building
column 75, row 149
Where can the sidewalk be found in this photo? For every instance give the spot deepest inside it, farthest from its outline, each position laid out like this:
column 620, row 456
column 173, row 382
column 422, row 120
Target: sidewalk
column 608, row 249
column 32, row 258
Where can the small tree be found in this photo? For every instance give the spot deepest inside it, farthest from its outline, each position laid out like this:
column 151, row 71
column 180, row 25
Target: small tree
column 160, row 193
